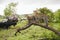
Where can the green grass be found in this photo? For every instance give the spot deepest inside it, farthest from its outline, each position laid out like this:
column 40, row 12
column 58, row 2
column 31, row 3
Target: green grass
column 32, row 33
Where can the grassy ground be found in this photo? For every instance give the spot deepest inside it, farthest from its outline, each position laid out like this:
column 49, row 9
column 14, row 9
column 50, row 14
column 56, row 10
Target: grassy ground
column 32, row 33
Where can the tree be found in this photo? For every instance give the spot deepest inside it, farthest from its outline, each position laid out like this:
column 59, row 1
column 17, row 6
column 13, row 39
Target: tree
column 32, row 21
column 48, row 12
column 9, row 10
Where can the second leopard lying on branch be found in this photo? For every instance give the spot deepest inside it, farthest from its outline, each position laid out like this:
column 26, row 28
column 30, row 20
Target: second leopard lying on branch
column 36, row 20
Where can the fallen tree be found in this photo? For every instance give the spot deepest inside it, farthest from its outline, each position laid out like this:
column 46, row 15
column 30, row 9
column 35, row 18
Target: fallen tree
column 43, row 26
column 32, row 21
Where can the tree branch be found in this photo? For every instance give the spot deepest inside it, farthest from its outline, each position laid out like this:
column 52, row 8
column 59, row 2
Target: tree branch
column 23, row 28
column 43, row 26
column 49, row 28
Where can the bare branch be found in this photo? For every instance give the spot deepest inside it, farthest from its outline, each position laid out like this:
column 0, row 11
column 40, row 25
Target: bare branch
column 23, row 28
column 49, row 28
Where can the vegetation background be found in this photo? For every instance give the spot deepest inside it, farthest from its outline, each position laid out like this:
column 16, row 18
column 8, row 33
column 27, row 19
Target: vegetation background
column 34, row 32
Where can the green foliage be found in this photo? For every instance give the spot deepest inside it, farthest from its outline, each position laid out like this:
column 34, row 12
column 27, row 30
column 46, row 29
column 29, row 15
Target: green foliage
column 7, row 12
column 10, row 9
column 45, row 10
column 57, row 15
column 48, row 12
